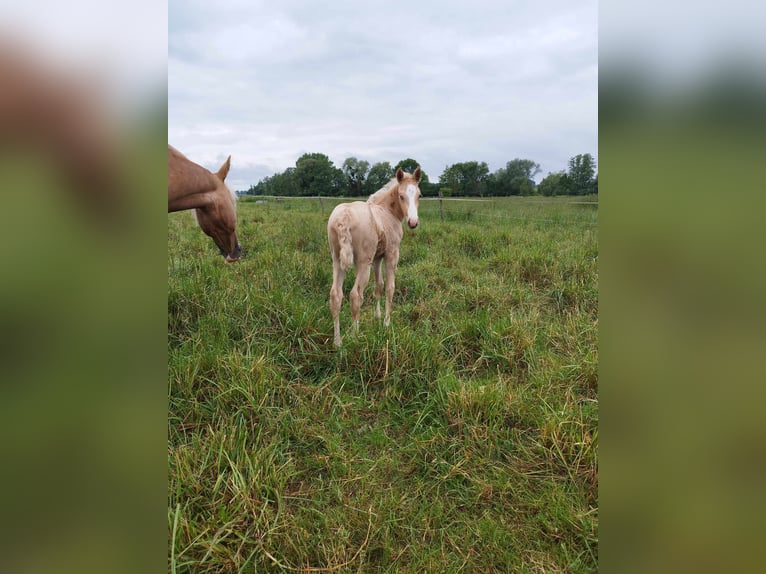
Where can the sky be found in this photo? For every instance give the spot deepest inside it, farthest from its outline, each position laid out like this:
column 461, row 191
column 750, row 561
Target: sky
column 120, row 45
column 440, row 82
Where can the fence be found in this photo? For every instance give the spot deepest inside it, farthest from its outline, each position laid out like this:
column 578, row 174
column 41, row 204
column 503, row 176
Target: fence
column 530, row 209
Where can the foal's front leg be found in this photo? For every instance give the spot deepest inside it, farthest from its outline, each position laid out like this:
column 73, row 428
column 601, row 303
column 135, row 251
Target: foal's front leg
column 378, row 270
column 357, row 292
column 391, row 262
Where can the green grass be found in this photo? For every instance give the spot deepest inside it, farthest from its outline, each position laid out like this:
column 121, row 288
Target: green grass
column 464, row 437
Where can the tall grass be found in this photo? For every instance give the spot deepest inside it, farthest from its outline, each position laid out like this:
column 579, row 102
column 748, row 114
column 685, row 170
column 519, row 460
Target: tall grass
column 464, row 436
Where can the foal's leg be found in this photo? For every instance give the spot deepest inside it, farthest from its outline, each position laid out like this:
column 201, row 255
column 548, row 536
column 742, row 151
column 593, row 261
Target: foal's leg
column 391, row 262
column 357, row 291
column 377, row 269
column 336, row 297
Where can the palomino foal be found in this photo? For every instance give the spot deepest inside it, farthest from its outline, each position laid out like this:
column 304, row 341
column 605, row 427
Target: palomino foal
column 191, row 186
column 363, row 234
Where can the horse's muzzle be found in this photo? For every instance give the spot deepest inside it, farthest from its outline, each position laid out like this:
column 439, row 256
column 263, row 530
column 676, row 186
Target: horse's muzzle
column 234, row 255
column 411, row 224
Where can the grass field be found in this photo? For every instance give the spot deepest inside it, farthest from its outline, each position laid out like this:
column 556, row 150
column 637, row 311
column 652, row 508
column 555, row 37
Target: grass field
column 462, row 438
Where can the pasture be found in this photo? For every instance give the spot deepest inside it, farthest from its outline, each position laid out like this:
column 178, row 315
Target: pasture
column 464, row 437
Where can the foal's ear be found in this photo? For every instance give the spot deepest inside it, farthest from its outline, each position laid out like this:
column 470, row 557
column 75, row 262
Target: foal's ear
column 417, row 174
column 399, row 175
column 224, row 171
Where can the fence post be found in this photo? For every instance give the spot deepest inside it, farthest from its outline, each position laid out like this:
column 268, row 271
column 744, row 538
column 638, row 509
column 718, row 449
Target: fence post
column 321, row 207
column 441, row 210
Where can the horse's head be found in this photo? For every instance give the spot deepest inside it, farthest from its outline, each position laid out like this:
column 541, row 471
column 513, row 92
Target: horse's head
column 219, row 221
column 409, row 195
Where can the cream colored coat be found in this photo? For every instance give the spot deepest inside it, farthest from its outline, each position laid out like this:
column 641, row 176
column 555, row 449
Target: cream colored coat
column 364, row 234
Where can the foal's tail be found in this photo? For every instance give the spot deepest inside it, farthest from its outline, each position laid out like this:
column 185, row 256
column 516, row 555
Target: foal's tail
column 346, row 251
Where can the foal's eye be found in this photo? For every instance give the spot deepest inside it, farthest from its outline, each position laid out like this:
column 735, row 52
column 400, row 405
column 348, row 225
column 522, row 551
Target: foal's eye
column 401, row 196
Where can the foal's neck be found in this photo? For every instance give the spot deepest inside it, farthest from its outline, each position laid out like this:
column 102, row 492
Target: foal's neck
column 390, row 202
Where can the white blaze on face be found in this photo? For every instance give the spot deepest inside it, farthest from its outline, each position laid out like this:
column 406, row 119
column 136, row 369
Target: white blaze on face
column 412, row 206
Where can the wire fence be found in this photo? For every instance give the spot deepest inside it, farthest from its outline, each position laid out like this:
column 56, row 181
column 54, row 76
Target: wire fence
column 535, row 209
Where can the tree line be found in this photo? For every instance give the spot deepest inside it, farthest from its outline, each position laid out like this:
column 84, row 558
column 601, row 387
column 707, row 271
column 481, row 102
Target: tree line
column 315, row 174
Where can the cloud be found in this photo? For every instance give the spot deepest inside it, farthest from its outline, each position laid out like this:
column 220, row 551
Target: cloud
column 97, row 38
column 382, row 81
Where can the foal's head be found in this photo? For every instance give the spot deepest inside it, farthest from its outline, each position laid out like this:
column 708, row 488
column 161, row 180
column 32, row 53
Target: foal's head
column 220, row 221
column 409, row 195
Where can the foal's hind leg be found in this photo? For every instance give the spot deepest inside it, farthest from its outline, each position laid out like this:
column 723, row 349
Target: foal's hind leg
column 336, row 298
column 377, row 269
column 357, row 291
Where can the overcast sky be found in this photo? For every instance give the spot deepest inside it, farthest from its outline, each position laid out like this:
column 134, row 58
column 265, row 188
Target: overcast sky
column 440, row 82
column 119, row 45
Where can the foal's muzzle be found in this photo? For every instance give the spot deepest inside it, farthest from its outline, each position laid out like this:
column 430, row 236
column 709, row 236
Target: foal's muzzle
column 411, row 224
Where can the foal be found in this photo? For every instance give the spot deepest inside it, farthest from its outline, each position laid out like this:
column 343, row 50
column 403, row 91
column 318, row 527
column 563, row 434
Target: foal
column 363, row 234
column 191, row 186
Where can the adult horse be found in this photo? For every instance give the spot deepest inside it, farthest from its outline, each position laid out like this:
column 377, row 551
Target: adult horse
column 191, row 186
column 363, row 234
column 64, row 123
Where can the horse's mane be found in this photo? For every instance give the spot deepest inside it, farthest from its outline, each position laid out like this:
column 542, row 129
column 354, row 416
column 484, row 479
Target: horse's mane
column 234, row 196
column 382, row 192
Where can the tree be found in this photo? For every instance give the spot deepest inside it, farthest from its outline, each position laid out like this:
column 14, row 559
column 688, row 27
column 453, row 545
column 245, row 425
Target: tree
column 355, row 171
column 278, row 184
column 566, row 184
column 378, row 176
column 466, row 178
column 516, row 178
column 315, row 175
column 554, row 184
column 339, row 183
column 582, row 169
column 410, row 165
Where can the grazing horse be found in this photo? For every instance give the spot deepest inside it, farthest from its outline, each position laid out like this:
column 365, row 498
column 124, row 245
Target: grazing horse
column 191, row 186
column 65, row 123
column 363, row 234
